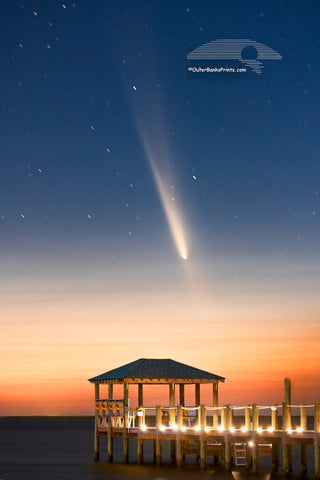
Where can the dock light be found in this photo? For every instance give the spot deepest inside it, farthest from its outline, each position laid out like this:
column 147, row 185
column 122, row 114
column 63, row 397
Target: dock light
column 143, row 428
column 207, row 429
column 183, row 428
column 244, row 429
column 289, row 430
column 162, row 428
column 174, row 426
column 221, row 428
column 299, row 429
column 250, row 444
column 270, row 429
column 259, row 430
column 232, row 429
column 197, row 428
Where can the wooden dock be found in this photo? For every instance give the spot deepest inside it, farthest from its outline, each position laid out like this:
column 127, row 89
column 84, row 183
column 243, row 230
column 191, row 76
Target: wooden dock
column 211, row 431
column 231, row 435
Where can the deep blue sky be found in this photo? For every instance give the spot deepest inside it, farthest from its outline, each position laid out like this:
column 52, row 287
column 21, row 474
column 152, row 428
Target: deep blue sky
column 237, row 137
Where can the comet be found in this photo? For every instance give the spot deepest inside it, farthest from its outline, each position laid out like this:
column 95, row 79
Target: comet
column 153, row 135
column 170, row 208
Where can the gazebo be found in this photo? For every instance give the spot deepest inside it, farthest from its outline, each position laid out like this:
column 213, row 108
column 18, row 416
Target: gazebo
column 146, row 371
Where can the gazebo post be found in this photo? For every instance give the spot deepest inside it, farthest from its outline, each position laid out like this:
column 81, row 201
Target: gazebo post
column 172, row 403
column 158, row 440
column 110, row 391
column 181, row 393
column 179, row 440
column 197, row 400
column 215, row 403
column 109, row 434
column 215, row 415
column 125, row 414
column 96, row 432
column 197, row 394
column 140, row 440
column 140, row 394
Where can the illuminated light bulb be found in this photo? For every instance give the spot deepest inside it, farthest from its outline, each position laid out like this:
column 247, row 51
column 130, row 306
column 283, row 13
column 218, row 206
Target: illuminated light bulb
column 143, row 428
column 244, row 429
column 197, row 428
column 250, row 444
column 270, row 429
column 183, row 428
column 289, row 430
column 299, row 429
column 259, row 430
column 174, row 426
column 207, row 429
column 232, row 429
column 220, row 429
column 162, row 428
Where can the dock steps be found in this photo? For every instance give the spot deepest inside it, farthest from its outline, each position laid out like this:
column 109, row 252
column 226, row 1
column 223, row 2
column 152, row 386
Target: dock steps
column 240, row 454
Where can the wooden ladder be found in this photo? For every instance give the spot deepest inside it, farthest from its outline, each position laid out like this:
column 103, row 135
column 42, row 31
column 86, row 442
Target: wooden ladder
column 240, row 454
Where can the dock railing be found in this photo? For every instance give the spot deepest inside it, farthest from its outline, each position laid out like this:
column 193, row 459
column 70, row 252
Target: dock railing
column 288, row 419
column 254, row 429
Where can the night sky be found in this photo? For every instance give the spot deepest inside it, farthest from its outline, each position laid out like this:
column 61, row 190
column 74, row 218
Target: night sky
column 98, row 115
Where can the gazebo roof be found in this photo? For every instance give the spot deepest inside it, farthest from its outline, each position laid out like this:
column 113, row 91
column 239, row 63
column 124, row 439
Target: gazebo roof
column 154, row 370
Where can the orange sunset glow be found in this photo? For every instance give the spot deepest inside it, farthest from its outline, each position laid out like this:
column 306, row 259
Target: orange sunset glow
column 57, row 338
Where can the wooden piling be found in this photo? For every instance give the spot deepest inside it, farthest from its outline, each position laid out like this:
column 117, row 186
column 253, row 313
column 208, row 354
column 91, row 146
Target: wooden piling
column 215, row 403
column 304, row 460
column 215, row 413
column 203, row 424
column 255, row 426
column 223, row 417
column 286, row 413
column 140, row 422
column 96, row 431
column 287, row 391
column 125, row 413
column 303, row 448
column 172, row 415
column 303, row 417
column 274, row 417
column 158, row 440
column 286, row 449
column 140, row 449
column 223, row 425
column 178, row 440
column 275, row 446
column 227, row 443
column 247, row 422
column 317, row 439
column 247, row 417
